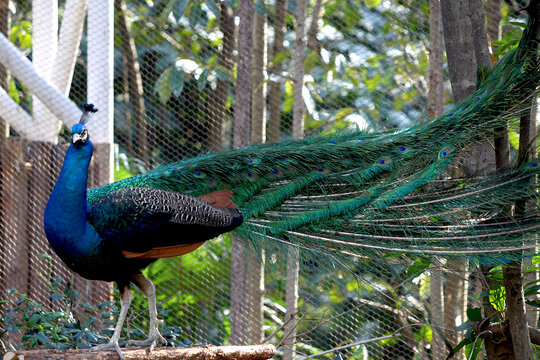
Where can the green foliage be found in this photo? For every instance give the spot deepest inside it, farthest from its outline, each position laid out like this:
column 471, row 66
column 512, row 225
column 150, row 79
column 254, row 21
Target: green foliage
column 67, row 323
column 73, row 325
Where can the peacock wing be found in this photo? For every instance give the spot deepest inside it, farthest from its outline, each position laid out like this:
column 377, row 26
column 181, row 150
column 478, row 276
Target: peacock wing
column 155, row 223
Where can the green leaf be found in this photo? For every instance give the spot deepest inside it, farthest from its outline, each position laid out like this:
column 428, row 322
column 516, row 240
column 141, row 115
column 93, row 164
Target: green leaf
column 177, row 79
column 533, row 303
column 195, row 14
column 34, row 319
column 42, row 338
column 372, row 3
column 202, row 80
column 497, row 297
column 458, row 347
column 481, row 295
column 179, row 8
column 532, row 290
column 162, row 86
column 45, row 256
column 465, row 326
column 56, row 297
column 474, row 314
column 475, row 351
column 166, row 11
column 520, row 24
column 418, row 267
column 213, row 7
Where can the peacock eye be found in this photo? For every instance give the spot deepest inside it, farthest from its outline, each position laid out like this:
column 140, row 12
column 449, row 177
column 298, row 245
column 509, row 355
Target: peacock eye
column 276, row 172
column 533, row 164
column 444, row 153
column 403, row 149
column 384, row 161
column 251, row 175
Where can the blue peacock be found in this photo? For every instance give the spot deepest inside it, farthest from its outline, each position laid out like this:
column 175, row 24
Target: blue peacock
column 337, row 194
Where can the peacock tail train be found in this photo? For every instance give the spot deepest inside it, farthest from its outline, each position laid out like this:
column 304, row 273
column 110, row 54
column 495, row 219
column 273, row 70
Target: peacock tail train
column 359, row 193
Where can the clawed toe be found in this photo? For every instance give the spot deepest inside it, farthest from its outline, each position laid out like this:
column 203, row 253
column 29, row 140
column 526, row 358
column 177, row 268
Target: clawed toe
column 150, row 343
column 111, row 345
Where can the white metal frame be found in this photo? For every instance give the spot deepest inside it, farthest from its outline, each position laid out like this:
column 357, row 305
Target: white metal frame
column 49, row 76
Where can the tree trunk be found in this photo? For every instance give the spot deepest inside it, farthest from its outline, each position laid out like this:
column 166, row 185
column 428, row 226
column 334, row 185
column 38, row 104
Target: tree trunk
column 467, row 50
column 274, row 94
column 494, row 16
column 436, row 71
column 512, row 273
column 299, row 57
column 435, row 108
column 291, row 301
column 528, row 150
column 312, row 42
column 258, row 110
column 436, row 301
column 134, row 90
column 241, row 138
column 5, row 26
column 226, row 25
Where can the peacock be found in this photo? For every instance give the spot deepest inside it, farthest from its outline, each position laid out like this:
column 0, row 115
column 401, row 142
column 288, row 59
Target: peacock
column 338, row 194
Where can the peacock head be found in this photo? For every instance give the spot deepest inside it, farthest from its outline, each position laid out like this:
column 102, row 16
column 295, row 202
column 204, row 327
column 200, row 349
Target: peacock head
column 79, row 132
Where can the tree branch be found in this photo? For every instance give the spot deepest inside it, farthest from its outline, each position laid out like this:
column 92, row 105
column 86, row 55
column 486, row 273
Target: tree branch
column 207, row 352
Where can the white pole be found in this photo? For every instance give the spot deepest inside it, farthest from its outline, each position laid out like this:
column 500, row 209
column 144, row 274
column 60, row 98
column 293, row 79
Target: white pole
column 68, row 44
column 15, row 116
column 24, row 70
column 44, row 49
column 100, row 67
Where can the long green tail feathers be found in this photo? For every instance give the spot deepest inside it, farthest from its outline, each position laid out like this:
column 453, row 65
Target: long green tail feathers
column 356, row 193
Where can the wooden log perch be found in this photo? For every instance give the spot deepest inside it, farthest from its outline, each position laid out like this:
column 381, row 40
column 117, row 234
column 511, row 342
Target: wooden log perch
column 207, row 352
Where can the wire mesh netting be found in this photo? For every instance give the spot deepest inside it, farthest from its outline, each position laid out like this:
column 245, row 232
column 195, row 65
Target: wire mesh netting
column 171, row 74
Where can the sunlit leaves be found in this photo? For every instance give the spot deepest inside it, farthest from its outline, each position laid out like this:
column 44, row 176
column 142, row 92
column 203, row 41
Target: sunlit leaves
column 162, row 87
column 372, row 3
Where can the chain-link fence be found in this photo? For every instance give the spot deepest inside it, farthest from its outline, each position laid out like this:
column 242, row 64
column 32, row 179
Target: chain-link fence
column 181, row 78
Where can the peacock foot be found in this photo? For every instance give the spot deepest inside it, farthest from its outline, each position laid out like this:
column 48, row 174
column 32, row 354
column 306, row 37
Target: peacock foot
column 111, row 345
column 154, row 337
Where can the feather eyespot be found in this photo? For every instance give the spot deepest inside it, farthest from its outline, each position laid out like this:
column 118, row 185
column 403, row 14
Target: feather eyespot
column 444, row 153
column 383, row 162
column 361, row 139
column 253, row 161
column 478, row 98
column 333, row 142
column 450, row 115
column 322, row 170
column 210, row 182
column 533, row 164
column 200, row 174
column 251, row 175
column 403, row 149
column 276, row 172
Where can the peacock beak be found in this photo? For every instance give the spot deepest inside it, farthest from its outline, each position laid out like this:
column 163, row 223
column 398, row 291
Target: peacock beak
column 78, row 139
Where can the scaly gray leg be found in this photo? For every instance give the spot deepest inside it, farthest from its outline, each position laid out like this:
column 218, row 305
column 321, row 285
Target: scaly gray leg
column 149, row 290
column 125, row 300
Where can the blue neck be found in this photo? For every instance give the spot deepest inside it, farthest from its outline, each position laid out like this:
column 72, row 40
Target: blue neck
column 65, row 215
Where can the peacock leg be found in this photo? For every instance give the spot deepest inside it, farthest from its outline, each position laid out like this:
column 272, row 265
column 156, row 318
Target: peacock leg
column 149, row 290
column 125, row 301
